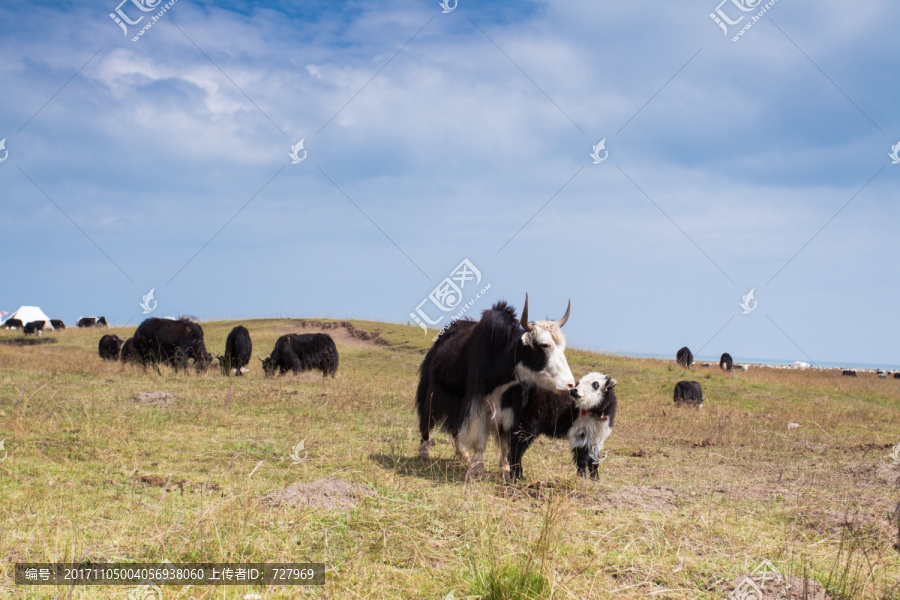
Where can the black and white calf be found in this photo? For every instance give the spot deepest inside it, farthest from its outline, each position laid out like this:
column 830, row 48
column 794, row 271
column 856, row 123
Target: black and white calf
column 689, row 393
column 472, row 364
column 584, row 416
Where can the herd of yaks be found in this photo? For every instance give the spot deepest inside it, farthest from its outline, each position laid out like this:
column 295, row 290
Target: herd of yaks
column 175, row 342
column 500, row 377
column 37, row 327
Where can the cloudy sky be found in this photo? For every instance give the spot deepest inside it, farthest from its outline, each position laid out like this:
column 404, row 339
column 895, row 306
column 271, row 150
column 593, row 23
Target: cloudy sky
column 730, row 163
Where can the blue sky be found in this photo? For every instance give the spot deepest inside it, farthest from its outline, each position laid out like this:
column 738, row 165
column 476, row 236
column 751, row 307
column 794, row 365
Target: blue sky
column 435, row 137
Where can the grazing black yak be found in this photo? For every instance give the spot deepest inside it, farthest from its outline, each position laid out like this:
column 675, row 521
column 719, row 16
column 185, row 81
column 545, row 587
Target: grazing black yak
column 128, row 354
column 689, row 392
column 302, row 352
column 171, row 342
column 109, row 346
column 58, row 324
column 725, row 363
column 684, row 357
column 584, row 416
column 472, row 363
column 238, row 349
column 14, row 324
column 33, row 327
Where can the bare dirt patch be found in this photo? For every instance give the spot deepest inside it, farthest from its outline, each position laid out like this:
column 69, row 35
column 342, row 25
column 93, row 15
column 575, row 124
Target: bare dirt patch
column 172, row 484
column 328, row 493
column 342, row 332
column 157, row 399
column 641, row 497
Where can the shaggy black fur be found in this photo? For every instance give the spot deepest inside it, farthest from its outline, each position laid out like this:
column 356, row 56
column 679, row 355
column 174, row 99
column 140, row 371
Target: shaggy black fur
column 684, row 357
column 238, row 349
column 108, row 348
column 553, row 414
column 303, row 352
column 14, row 324
column 725, row 363
column 467, row 362
column 128, row 354
column 171, row 342
column 688, row 392
column 58, row 324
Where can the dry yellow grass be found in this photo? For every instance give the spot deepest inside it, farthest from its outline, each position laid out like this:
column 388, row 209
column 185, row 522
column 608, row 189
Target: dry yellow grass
column 687, row 502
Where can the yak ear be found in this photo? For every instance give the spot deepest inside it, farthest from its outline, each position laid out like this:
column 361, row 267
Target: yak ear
column 528, row 339
column 610, row 383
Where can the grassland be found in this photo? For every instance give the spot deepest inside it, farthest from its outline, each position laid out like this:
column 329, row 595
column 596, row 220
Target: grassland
column 688, row 501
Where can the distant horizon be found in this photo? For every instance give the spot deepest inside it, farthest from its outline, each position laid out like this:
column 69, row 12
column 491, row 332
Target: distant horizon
column 714, row 360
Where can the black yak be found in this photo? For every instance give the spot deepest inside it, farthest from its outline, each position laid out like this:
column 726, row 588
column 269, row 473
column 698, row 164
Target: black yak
column 58, row 324
column 238, row 349
column 128, row 354
column 684, row 357
column 725, row 363
column 473, row 363
column 109, row 346
column 848, row 373
column 14, row 324
column 302, row 352
column 33, row 327
column 171, row 342
column 689, row 393
column 584, row 416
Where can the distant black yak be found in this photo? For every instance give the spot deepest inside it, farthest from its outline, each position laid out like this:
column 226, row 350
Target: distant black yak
column 689, row 392
column 109, row 346
column 92, row 322
column 302, row 352
column 684, row 357
column 238, row 349
column 58, row 324
column 128, row 354
column 725, row 363
column 584, row 416
column 14, row 324
column 848, row 373
column 33, row 327
column 171, row 342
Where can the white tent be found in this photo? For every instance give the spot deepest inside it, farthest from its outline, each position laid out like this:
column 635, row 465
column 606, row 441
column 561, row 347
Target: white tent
column 27, row 314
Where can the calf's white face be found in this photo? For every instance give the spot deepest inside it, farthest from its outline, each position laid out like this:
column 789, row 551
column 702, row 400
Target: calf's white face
column 591, row 390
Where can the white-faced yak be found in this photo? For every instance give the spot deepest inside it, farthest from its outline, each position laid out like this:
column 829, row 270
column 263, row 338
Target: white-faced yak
column 584, row 416
column 473, row 363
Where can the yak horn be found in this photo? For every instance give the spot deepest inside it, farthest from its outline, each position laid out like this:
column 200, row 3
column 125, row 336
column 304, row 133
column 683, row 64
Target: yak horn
column 528, row 326
column 261, row 359
column 565, row 317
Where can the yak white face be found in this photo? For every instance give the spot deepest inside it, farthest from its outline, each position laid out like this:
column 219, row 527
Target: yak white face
column 591, row 390
column 545, row 362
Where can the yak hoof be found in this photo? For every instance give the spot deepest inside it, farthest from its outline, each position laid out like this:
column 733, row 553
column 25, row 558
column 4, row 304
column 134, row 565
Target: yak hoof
column 423, row 450
column 477, row 469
